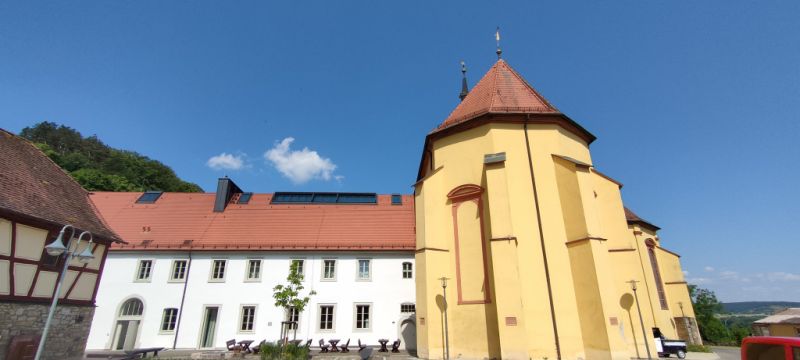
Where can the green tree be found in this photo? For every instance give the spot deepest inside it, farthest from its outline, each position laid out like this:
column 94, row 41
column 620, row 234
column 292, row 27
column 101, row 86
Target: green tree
column 96, row 180
column 289, row 296
column 99, row 167
column 706, row 309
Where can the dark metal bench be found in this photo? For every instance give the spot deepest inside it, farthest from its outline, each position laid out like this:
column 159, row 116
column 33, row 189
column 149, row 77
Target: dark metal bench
column 141, row 353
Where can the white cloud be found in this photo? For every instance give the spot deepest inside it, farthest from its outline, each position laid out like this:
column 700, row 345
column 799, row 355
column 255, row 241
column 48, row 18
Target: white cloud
column 226, row 161
column 300, row 166
column 699, row 281
column 782, row 276
column 709, row 269
column 685, row 273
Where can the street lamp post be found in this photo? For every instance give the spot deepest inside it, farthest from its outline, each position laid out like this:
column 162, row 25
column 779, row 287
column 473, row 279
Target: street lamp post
column 57, row 248
column 641, row 321
column 444, row 303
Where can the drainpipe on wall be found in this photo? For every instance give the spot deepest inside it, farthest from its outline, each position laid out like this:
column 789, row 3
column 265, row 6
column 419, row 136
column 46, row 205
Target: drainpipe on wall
column 541, row 238
column 183, row 298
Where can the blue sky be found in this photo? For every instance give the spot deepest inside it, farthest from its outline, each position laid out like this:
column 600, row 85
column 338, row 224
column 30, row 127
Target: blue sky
column 695, row 104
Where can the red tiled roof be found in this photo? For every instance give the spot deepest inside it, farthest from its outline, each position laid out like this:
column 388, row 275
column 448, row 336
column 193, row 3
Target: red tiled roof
column 633, row 218
column 176, row 217
column 32, row 185
column 501, row 91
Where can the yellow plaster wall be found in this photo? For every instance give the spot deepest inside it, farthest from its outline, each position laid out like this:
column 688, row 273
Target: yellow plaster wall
column 588, row 282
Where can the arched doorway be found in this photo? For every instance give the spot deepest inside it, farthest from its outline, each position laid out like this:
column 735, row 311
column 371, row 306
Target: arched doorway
column 126, row 327
column 408, row 334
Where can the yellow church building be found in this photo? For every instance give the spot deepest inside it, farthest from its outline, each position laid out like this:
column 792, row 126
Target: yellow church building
column 538, row 252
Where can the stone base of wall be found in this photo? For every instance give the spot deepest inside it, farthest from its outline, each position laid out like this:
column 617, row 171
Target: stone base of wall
column 68, row 330
column 690, row 335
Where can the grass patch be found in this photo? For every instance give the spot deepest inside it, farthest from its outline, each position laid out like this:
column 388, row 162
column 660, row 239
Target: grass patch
column 698, row 348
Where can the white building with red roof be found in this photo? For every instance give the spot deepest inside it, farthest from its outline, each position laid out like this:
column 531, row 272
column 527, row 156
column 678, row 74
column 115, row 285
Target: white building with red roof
column 199, row 269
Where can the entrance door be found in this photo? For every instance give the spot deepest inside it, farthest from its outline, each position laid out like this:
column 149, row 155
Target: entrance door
column 408, row 332
column 209, row 327
column 127, row 325
column 125, row 337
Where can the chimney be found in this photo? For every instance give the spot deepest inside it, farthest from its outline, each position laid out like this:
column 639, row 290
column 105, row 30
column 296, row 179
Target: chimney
column 225, row 190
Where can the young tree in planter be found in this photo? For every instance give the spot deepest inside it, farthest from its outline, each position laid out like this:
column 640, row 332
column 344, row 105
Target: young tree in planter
column 288, row 296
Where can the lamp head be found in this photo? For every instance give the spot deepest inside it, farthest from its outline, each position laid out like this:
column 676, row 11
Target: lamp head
column 86, row 255
column 57, row 247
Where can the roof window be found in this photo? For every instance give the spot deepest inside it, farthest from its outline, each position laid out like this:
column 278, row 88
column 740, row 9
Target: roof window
column 397, row 199
column 323, row 198
column 244, row 198
column 149, row 197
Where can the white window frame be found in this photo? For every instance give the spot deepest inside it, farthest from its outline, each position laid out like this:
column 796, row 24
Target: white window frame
column 299, row 319
column 211, row 277
column 369, row 269
column 403, row 269
column 139, row 269
column 319, row 318
column 370, row 319
column 302, row 270
column 407, row 304
column 240, row 321
column 323, row 278
column 247, row 277
column 164, row 317
column 172, row 271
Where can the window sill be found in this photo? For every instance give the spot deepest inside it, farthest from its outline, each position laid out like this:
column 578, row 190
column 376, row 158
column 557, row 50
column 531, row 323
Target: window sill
column 216, row 280
column 176, row 281
column 252, row 280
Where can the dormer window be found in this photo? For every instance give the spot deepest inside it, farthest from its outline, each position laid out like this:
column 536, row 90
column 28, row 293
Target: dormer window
column 149, row 197
column 397, row 199
column 244, row 198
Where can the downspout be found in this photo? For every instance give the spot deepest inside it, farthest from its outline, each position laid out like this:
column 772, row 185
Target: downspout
column 183, row 298
column 541, row 238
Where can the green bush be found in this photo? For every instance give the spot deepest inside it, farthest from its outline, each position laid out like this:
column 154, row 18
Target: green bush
column 698, row 348
column 270, row 351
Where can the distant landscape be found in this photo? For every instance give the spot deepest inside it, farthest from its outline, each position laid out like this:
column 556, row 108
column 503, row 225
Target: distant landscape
column 757, row 307
column 743, row 314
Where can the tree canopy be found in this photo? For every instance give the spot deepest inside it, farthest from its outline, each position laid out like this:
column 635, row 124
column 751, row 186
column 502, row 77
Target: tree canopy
column 99, row 167
column 707, row 310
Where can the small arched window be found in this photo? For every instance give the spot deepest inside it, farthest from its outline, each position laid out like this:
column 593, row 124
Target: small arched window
column 408, row 270
column 132, row 307
column 662, row 296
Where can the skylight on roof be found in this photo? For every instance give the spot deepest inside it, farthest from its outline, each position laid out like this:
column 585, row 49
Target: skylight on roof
column 323, row 198
column 397, row 199
column 244, row 198
column 149, row 197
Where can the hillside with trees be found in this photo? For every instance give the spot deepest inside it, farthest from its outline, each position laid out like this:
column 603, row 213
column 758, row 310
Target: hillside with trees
column 99, row 167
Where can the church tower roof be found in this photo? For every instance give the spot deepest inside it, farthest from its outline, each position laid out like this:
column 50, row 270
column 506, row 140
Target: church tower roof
column 501, row 91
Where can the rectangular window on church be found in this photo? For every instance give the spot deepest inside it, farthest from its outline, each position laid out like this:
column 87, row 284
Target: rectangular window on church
column 168, row 319
column 253, row 270
column 218, row 271
column 363, row 315
column 144, row 270
column 178, row 270
column 326, row 317
column 364, row 269
column 248, row 318
column 329, row 269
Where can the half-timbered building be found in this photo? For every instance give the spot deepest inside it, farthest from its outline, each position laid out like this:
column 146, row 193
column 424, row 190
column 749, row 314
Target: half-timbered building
column 37, row 198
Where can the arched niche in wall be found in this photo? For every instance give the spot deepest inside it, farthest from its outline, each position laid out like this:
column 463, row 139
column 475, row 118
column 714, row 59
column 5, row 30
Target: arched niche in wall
column 472, row 274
